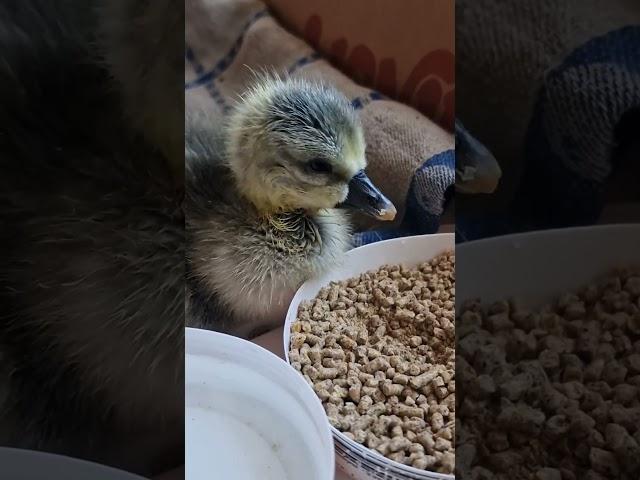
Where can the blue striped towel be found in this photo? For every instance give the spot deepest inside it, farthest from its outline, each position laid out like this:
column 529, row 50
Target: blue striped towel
column 571, row 137
column 551, row 117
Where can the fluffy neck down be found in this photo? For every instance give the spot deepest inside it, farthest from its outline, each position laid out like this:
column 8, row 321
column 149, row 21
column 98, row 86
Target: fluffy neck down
column 291, row 233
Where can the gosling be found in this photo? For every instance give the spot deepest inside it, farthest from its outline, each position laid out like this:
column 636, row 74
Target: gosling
column 92, row 235
column 260, row 202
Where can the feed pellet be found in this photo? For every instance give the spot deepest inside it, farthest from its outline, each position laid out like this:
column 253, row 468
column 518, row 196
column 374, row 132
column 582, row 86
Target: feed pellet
column 552, row 394
column 378, row 350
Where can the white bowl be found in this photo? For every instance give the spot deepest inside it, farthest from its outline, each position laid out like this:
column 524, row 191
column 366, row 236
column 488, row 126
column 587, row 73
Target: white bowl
column 249, row 416
column 16, row 464
column 357, row 461
column 537, row 266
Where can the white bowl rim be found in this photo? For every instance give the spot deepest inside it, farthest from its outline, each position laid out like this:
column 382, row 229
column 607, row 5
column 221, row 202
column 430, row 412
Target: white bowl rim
column 574, row 271
column 309, row 396
column 633, row 227
column 368, row 453
column 55, row 457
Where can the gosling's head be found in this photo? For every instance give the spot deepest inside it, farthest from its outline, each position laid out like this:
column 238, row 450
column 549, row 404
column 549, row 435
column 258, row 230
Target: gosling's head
column 295, row 145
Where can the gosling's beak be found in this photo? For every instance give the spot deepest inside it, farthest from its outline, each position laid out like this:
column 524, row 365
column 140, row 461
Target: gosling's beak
column 364, row 196
column 477, row 170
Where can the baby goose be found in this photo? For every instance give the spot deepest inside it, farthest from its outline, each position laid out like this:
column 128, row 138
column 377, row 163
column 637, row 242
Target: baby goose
column 92, row 235
column 261, row 217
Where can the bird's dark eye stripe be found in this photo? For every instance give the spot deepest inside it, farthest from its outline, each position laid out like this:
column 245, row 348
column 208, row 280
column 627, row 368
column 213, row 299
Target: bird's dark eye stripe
column 319, row 166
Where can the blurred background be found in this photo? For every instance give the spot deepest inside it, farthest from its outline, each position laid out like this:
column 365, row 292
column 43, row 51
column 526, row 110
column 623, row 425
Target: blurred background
column 550, row 89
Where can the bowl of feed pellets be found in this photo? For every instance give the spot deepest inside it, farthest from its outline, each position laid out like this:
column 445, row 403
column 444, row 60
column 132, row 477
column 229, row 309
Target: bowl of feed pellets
column 548, row 355
column 248, row 416
column 375, row 340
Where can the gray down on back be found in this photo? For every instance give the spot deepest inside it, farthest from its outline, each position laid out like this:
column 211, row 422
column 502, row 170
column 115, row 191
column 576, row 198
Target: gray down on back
column 92, row 257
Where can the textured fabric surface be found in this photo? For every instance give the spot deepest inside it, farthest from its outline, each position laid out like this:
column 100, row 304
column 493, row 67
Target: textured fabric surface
column 403, row 49
column 431, row 184
column 543, row 84
column 570, row 138
column 410, row 158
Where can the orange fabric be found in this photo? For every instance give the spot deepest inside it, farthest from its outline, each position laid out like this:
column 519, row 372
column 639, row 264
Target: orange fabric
column 402, row 49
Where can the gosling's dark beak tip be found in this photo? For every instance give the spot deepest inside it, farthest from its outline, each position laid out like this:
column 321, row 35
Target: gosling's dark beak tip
column 366, row 197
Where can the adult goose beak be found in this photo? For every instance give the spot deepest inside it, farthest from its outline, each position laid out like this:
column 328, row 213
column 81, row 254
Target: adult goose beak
column 365, row 197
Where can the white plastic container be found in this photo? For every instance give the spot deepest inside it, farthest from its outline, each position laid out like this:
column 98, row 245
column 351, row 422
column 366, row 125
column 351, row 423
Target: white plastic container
column 357, row 461
column 16, row 464
column 538, row 266
column 249, row 416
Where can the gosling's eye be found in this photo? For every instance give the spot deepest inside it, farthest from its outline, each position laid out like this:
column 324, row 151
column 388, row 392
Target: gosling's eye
column 319, row 166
